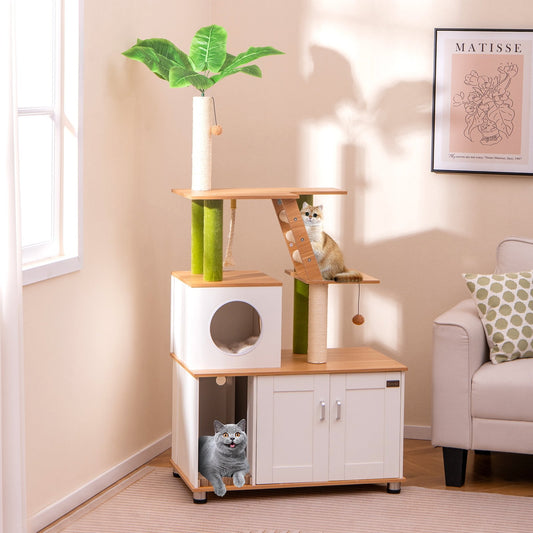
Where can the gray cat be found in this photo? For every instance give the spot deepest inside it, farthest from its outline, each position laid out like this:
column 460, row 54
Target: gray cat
column 224, row 455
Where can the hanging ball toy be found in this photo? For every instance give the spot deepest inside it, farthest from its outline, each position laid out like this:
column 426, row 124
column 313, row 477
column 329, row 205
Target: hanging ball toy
column 216, row 129
column 358, row 319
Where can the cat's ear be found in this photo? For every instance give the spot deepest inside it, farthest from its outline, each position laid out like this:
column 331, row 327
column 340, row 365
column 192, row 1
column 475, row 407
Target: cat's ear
column 218, row 426
column 319, row 207
column 242, row 424
column 305, row 205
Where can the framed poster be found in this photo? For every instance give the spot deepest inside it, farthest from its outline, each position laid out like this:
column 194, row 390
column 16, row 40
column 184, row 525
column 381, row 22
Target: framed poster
column 483, row 101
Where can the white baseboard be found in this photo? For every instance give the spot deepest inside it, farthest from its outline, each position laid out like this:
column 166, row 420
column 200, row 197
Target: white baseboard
column 84, row 493
column 417, row 432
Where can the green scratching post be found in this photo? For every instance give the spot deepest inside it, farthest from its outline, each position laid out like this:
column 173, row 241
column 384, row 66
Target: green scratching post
column 213, row 222
column 305, row 198
column 197, row 237
column 300, row 317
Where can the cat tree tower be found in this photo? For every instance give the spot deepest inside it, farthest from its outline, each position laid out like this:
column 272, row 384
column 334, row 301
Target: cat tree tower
column 226, row 334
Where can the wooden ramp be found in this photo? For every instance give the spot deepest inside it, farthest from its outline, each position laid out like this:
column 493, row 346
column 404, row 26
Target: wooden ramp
column 297, row 240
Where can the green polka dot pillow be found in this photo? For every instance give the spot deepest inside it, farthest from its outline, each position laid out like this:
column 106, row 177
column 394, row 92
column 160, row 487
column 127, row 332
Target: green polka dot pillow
column 505, row 306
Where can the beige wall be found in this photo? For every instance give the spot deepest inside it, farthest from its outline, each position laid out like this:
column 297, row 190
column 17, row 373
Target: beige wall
column 98, row 384
column 349, row 105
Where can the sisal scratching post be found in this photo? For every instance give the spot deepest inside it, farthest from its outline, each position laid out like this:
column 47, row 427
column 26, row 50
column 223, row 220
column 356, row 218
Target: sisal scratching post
column 318, row 324
column 197, row 236
column 300, row 317
column 201, row 175
column 213, row 223
column 202, row 111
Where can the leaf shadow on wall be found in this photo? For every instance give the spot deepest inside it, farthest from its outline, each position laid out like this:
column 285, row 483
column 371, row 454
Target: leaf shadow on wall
column 333, row 91
column 400, row 110
column 330, row 84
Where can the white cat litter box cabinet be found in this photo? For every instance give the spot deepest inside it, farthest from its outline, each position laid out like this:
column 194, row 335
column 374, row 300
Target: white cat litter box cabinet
column 336, row 423
column 233, row 323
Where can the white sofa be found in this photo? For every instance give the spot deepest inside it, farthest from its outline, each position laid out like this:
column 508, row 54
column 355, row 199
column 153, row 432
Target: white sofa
column 479, row 405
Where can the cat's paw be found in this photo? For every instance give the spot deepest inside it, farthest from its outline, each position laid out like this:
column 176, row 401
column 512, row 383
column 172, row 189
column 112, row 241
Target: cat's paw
column 220, row 490
column 238, row 479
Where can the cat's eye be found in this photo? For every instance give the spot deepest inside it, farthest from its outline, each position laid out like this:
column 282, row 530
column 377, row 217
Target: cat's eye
column 237, row 434
column 225, row 435
column 307, row 213
column 315, row 215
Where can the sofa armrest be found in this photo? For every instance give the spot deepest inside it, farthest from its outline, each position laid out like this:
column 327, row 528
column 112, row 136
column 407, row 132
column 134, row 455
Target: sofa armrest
column 459, row 349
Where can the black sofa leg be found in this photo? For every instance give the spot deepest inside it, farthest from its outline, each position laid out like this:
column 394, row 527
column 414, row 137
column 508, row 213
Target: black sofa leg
column 454, row 466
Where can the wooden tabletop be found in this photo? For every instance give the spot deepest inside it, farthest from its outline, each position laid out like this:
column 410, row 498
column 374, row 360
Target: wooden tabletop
column 263, row 193
column 340, row 361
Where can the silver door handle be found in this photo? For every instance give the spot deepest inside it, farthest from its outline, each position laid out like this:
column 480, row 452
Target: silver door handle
column 322, row 410
column 339, row 405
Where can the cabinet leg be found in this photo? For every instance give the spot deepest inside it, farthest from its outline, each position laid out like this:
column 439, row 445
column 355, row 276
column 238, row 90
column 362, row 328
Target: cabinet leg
column 394, row 487
column 199, row 497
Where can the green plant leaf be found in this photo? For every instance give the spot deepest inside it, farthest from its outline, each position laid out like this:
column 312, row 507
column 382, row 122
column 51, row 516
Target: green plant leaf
column 229, row 59
column 181, row 77
column 158, row 64
column 252, row 70
column 165, row 48
column 252, row 54
column 208, row 48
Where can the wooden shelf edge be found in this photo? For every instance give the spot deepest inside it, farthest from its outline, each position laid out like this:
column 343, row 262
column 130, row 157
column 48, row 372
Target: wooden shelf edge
column 250, row 193
column 251, row 486
column 367, row 279
column 340, row 361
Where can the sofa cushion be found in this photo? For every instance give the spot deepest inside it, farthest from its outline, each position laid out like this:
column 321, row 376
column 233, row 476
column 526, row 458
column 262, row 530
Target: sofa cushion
column 505, row 305
column 504, row 392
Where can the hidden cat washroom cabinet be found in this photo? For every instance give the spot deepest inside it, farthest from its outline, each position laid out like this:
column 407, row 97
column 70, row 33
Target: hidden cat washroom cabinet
column 338, row 421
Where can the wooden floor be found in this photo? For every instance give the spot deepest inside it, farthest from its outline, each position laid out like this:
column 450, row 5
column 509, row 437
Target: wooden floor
column 501, row 473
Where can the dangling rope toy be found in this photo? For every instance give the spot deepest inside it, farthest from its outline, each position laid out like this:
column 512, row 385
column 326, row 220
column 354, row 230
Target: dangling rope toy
column 358, row 319
column 228, row 257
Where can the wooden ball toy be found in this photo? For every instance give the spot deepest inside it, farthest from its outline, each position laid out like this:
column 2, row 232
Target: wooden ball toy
column 216, row 129
column 358, row 319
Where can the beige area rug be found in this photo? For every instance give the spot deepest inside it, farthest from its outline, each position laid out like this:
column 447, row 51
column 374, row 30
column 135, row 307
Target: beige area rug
column 153, row 501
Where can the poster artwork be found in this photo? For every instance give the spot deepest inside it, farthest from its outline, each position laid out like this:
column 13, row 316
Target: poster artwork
column 486, row 98
column 483, row 101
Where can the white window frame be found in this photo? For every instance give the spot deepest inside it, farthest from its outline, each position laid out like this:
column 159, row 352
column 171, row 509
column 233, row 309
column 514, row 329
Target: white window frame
column 63, row 254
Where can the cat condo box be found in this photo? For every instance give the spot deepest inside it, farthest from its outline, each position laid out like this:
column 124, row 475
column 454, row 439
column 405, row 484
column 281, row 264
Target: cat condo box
column 228, row 324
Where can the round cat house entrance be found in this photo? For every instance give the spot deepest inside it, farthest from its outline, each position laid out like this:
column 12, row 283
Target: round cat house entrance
column 236, row 327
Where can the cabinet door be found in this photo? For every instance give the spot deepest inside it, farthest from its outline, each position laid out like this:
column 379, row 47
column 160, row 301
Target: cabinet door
column 292, row 428
column 366, row 426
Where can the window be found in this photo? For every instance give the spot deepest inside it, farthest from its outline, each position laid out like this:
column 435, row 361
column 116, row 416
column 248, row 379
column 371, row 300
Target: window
column 48, row 101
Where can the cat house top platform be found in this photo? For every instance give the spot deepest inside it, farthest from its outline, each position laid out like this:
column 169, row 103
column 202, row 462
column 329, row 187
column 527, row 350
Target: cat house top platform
column 232, row 278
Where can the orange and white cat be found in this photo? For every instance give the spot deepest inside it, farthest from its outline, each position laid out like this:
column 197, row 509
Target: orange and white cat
column 327, row 252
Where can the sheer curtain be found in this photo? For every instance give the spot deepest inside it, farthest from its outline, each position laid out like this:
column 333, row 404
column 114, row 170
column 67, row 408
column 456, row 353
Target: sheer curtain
column 12, row 472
